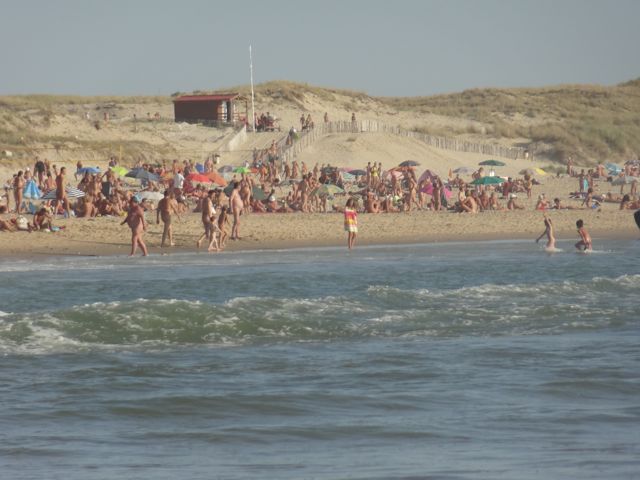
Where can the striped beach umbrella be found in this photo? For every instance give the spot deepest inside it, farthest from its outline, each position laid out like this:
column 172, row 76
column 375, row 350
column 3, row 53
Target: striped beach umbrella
column 71, row 193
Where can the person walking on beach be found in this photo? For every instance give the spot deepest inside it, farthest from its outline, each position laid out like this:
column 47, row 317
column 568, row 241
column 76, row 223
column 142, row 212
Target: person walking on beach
column 548, row 232
column 135, row 220
column 208, row 215
column 585, row 239
column 350, row 222
column 166, row 207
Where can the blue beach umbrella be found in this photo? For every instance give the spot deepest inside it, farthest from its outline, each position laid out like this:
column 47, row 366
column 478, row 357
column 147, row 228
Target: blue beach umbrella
column 90, row 170
column 31, row 191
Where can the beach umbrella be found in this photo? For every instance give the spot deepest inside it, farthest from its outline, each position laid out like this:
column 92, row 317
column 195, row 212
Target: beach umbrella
column 155, row 196
column 487, row 181
column 624, row 180
column 120, row 171
column 242, row 170
column 198, row 177
column 142, row 174
column 71, row 193
column 540, row 171
column 463, row 170
column 215, row 177
column 493, row 163
column 228, row 189
column 357, row 173
column 199, row 168
column 409, row 163
column 31, row 191
column 348, row 177
column 613, row 168
column 427, row 174
column 90, row 170
column 258, row 193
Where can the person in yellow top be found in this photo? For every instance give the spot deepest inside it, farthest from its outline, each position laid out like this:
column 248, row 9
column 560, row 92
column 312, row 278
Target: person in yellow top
column 350, row 222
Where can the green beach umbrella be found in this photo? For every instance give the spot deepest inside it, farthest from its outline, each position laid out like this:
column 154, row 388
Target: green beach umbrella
column 487, row 181
column 493, row 163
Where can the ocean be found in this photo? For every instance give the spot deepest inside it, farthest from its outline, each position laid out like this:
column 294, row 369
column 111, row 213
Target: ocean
column 487, row 360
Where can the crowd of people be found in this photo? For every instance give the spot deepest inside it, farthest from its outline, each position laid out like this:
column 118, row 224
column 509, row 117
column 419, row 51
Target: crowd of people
column 267, row 187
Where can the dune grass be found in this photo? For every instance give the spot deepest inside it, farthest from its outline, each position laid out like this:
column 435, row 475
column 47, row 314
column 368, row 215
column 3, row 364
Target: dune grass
column 591, row 123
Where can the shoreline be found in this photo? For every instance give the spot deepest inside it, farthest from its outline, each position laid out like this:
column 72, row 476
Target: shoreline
column 270, row 232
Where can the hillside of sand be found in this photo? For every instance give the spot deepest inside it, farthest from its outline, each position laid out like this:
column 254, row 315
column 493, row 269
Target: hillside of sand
column 590, row 123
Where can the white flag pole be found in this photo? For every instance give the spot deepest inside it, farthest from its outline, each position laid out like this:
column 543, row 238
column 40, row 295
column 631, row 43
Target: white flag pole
column 253, row 111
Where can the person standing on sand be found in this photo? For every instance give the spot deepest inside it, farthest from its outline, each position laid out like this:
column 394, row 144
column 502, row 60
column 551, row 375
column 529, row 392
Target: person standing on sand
column 61, row 193
column 548, row 231
column 166, row 207
column 135, row 220
column 350, row 222
column 585, row 239
column 18, row 187
column 235, row 206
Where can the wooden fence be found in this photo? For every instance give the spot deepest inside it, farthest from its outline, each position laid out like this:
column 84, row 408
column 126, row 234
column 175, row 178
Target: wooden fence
column 288, row 153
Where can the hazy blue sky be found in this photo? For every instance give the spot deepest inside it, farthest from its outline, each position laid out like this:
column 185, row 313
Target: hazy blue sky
column 392, row 48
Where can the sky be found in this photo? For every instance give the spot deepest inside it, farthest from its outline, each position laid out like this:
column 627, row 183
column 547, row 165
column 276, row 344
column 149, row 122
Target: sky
column 383, row 48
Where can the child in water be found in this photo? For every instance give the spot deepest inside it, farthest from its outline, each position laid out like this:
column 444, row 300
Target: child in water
column 585, row 239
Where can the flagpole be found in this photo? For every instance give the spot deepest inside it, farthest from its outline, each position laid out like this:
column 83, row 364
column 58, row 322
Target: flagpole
column 253, row 111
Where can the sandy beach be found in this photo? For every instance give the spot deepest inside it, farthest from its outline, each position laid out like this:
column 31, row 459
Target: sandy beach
column 105, row 235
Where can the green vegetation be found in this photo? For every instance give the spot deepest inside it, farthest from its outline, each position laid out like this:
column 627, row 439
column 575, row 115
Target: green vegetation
column 588, row 122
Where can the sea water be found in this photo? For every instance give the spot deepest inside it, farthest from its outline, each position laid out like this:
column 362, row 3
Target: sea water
column 487, row 360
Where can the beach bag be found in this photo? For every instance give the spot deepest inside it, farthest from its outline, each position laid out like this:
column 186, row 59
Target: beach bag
column 22, row 223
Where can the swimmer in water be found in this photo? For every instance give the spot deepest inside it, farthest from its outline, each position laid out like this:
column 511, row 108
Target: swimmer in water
column 548, row 232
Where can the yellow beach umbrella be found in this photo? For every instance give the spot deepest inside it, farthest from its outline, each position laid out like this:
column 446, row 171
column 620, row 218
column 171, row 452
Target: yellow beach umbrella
column 540, row 171
column 120, row 171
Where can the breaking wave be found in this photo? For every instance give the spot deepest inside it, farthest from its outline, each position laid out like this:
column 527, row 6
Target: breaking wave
column 381, row 311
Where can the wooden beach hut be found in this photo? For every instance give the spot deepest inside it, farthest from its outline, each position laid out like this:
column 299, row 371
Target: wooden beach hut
column 213, row 110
